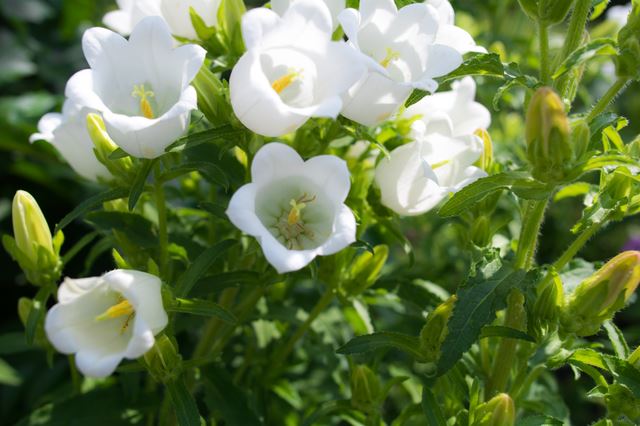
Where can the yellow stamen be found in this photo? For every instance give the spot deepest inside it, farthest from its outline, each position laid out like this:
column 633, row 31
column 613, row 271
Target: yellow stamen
column 294, row 213
column 118, row 310
column 285, row 81
column 440, row 164
column 392, row 55
column 144, row 95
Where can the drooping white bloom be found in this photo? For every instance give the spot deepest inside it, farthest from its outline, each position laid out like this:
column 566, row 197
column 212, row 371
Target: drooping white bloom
column 335, row 6
column 421, row 174
column 403, row 55
column 67, row 132
column 452, row 113
column 619, row 14
column 448, row 33
column 140, row 86
column 130, row 12
column 103, row 320
column 292, row 70
column 176, row 13
column 295, row 208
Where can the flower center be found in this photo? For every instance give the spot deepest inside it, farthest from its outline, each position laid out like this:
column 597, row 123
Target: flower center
column 139, row 91
column 285, row 81
column 291, row 226
column 121, row 309
column 392, row 55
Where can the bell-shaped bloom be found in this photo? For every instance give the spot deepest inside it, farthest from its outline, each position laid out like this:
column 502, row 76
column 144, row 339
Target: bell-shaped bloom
column 419, row 175
column 129, row 13
column 103, row 320
column 140, row 86
column 67, row 132
column 335, row 7
column 403, row 54
column 292, row 70
column 177, row 15
column 295, row 208
column 448, row 33
column 453, row 113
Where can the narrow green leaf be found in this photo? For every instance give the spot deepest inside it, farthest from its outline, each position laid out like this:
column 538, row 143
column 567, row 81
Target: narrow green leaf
column 36, row 314
column 226, row 132
column 118, row 154
column 209, row 171
column 599, row 46
column 202, row 307
column 183, row 403
column 9, row 376
column 13, row 343
column 382, row 340
column 136, row 227
column 431, row 408
column 200, row 267
column 328, row 408
column 574, row 190
column 215, row 209
column 77, row 247
column 617, row 339
column 90, row 204
column 506, row 332
column 139, row 181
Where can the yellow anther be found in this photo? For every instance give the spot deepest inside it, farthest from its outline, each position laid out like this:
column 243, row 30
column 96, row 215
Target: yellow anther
column 440, row 164
column 392, row 55
column 145, row 106
column 285, row 81
column 294, row 213
column 118, row 310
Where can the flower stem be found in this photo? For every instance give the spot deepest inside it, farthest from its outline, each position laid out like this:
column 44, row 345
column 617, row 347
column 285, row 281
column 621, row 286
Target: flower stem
column 575, row 35
column 163, row 235
column 281, row 354
column 607, row 98
column 543, row 33
column 531, row 223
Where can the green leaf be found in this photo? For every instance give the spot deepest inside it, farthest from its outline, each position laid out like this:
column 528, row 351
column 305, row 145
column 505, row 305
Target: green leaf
column 210, row 171
column 13, row 343
column 326, row 409
column 506, row 332
column 540, row 420
column 183, row 403
column 599, row 46
column 382, row 340
column 617, row 340
column 431, row 408
column 200, row 267
column 202, row 307
column 215, row 209
column 574, row 190
column 36, row 314
column 90, row 204
column 478, row 301
column 78, row 247
column 8, row 375
column 137, row 228
column 222, row 394
column 624, row 373
column 222, row 133
column 139, row 181
column 118, row 154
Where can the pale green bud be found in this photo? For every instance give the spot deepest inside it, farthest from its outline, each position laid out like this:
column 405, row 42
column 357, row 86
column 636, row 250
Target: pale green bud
column 104, row 147
column 547, row 135
column 366, row 389
column 30, row 228
column 601, row 295
column 163, row 360
column 546, row 308
column 435, row 330
column 499, row 411
column 580, row 137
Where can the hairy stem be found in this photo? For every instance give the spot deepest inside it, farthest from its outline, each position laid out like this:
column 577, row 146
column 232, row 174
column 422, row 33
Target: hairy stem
column 575, row 34
column 607, row 98
column 528, row 241
column 543, row 33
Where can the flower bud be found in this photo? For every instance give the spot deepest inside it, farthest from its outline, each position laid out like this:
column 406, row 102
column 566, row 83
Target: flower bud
column 601, row 295
column 366, row 389
column 481, row 231
column 485, row 162
column 104, row 147
column 163, row 360
column 545, row 312
column 499, row 411
column 580, row 138
column 628, row 59
column 549, row 12
column 366, row 270
column 435, row 330
column 548, row 136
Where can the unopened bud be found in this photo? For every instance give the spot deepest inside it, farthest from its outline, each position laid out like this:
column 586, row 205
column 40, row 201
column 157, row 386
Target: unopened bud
column 366, row 270
column 628, row 59
column 499, row 411
column 549, row 12
column 163, row 360
column 601, row 295
column 485, row 162
column 104, row 147
column 366, row 390
column 580, row 138
column 546, row 308
column 435, row 330
column 548, row 136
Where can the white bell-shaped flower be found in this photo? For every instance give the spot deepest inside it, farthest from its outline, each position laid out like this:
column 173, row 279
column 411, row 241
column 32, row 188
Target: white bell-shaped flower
column 403, row 54
column 418, row 176
column 448, row 33
column 140, row 86
column 67, row 132
column 103, row 320
column 129, row 13
column 335, row 7
column 292, row 70
column 295, row 208
column 177, row 15
column 453, row 113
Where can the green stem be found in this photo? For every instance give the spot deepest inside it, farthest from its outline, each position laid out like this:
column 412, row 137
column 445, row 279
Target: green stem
column 543, row 33
column 607, row 98
column 281, row 354
column 528, row 240
column 76, row 380
column 575, row 35
column 163, row 234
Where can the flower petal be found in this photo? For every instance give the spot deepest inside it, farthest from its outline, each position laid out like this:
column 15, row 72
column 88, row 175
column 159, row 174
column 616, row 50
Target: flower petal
column 95, row 364
column 331, row 174
column 241, row 210
column 344, row 232
column 256, row 23
column 275, row 161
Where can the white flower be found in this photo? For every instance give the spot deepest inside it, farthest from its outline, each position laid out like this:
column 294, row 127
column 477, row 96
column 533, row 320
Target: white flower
column 403, row 55
column 448, row 33
column 140, row 86
column 176, row 13
column 130, row 12
column 67, row 132
column 419, row 175
column 292, row 70
column 453, row 113
column 619, row 14
column 335, row 6
column 295, row 209
column 103, row 320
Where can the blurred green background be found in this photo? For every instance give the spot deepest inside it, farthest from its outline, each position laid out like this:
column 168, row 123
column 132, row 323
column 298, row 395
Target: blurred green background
column 40, row 49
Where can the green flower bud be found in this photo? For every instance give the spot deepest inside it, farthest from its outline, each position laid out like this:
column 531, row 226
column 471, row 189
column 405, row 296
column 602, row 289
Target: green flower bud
column 580, row 138
column 435, row 330
column 163, row 360
column 104, row 147
column 546, row 308
column 548, row 136
column 628, row 59
column 366, row 389
column 499, row 411
column 601, row 295
column 365, row 270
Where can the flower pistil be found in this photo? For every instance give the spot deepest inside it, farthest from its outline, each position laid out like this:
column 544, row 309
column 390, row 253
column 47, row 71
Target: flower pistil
column 122, row 308
column 139, row 91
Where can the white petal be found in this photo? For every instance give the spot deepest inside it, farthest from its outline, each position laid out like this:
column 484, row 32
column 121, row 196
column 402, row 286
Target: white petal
column 344, row 232
column 100, row 47
column 282, row 259
column 442, row 60
column 331, row 174
column 142, row 339
column 96, row 364
column 275, row 161
column 176, row 12
column 256, row 23
column 369, row 8
column 79, row 90
column 119, row 21
column 70, row 289
column 47, row 124
column 458, row 39
column 242, row 211
column 350, row 22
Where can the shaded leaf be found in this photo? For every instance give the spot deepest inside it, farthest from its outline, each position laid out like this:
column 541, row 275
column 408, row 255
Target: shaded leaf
column 200, row 267
column 90, row 204
column 382, row 340
column 183, row 403
column 202, row 307
column 599, row 46
column 137, row 228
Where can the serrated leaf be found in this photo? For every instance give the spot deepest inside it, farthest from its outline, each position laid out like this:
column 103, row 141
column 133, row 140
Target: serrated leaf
column 200, row 267
column 139, row 181
column 90, row 204
column 624, row 373
column 599, row 46
column 202, row 307
column 506, row 332
column 382, row 340
column 137, row 228
column 183, row 403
